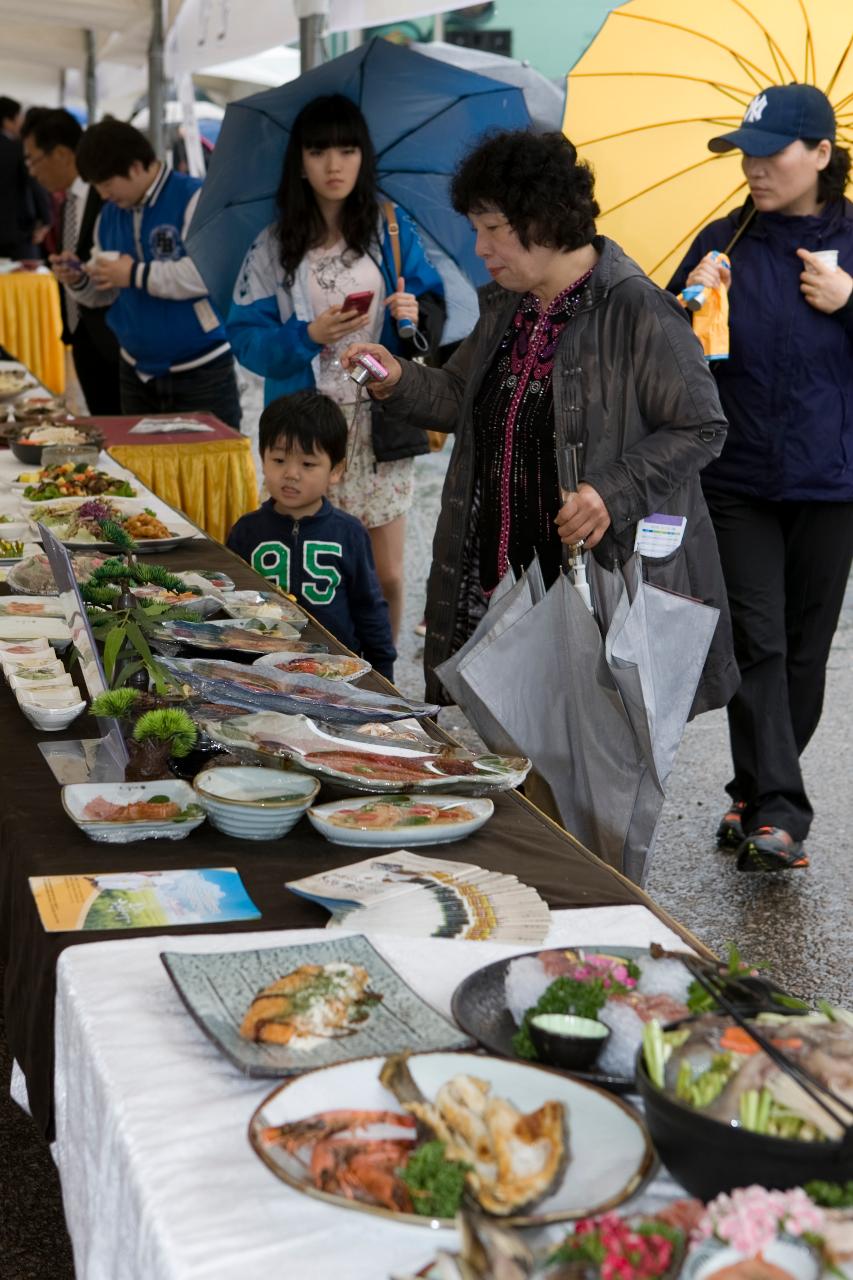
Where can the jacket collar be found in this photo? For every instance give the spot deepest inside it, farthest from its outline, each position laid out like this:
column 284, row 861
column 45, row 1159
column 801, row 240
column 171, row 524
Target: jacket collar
column 325, row 510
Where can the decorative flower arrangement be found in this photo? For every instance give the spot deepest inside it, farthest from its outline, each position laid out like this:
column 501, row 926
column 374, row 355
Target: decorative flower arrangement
column 618, row 1249
column 751, row 1217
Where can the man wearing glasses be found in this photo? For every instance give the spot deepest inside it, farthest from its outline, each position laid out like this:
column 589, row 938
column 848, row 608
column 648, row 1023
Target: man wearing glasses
column 50, row 141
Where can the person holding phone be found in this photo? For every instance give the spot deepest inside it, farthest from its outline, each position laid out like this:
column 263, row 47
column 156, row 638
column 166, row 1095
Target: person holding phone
column 325, row 275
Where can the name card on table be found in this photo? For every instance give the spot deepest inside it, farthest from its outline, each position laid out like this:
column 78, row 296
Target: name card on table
column 87, row 759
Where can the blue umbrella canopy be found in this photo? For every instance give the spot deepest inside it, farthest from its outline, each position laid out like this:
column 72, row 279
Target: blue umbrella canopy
column 423, row 115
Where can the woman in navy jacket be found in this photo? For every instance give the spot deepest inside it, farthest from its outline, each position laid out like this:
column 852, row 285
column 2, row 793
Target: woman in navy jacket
column 781, row 493
column 287, row 320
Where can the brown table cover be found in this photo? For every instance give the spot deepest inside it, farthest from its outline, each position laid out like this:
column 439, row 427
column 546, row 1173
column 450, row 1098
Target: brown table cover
column 37, row 839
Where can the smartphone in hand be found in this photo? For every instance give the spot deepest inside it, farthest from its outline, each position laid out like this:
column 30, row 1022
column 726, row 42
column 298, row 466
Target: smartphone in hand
column 358, row 302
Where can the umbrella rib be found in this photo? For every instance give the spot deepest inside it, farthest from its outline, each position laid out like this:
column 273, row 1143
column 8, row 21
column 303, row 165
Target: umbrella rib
column 670, row 177
column 463, row 97
column 836, row 73
column 746, row 64
column 703, row 222
column 809, row 50
column 730, row 90
column 722, row 121
column 772, row 46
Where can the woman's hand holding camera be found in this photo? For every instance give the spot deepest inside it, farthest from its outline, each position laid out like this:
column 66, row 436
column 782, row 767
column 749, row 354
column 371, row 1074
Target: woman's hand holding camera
column 378, row 390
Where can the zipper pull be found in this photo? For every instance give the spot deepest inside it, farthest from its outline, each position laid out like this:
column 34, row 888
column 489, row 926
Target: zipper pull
column 296, row 528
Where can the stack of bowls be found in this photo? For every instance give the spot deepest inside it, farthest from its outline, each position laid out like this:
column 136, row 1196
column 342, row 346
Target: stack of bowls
column 254, row 803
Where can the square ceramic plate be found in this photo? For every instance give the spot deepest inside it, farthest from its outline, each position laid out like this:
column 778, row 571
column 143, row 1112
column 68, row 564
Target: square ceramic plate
column 218, row 987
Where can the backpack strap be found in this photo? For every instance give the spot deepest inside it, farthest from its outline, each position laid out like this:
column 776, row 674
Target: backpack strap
column 390, row 214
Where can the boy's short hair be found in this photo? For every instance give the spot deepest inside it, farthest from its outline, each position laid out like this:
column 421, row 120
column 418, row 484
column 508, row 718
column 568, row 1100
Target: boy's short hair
column 10, row 108
column 307, row 418
column 110, row 148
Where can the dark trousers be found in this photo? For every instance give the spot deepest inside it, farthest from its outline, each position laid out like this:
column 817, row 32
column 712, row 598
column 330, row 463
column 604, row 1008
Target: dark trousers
column 211, row 388
column 97, row 374
column 786, row 566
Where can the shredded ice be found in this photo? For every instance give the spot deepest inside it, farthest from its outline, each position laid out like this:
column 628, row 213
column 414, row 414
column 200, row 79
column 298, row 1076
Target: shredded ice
column 525, row 982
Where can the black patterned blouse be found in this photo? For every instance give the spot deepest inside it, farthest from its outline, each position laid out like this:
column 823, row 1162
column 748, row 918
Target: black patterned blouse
column 516, row 465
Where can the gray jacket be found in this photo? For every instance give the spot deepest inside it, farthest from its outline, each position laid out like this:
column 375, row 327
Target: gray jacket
column 630, row 382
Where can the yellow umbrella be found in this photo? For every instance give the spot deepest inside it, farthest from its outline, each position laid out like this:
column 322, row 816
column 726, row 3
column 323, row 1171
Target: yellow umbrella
column 664, row 76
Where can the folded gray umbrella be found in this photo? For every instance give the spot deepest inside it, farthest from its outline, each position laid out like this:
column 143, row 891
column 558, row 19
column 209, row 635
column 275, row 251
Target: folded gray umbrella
column 598, row 703
column 544, row 679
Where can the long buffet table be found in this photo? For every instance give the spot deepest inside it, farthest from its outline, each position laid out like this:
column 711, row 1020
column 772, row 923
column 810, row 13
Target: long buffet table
column 122, row 1062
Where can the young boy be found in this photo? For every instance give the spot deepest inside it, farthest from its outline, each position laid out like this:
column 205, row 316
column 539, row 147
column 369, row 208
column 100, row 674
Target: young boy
column 300, row 541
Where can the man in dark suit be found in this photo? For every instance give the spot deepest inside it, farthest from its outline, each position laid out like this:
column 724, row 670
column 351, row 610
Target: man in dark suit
column 50, row 141
column 16, row 217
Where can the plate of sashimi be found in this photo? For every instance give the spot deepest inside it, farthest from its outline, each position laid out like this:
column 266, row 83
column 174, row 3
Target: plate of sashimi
column 622, row 987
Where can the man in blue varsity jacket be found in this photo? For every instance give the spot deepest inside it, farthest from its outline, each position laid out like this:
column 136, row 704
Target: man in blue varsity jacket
column 175, row 354
column 304, row 545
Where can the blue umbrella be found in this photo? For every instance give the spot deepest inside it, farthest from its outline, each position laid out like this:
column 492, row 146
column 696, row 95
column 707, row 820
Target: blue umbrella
column 423, row 115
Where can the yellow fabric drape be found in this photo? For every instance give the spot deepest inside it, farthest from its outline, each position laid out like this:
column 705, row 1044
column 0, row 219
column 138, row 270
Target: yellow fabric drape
column 212, row 482
column 31, row 325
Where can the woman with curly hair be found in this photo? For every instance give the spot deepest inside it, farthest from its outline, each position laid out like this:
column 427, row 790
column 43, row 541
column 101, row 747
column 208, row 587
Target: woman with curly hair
column 287, row 321
column 574, row 344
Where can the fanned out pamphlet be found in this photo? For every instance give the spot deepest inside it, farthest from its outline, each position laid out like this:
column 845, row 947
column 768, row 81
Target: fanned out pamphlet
column 401, row 892
column 141, row 899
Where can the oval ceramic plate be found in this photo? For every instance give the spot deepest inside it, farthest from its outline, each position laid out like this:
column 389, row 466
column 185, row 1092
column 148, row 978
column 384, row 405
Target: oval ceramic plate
column 31, row 606
column 417, row 830
column 610, row 1153
column 331, row 666
column 264, row 605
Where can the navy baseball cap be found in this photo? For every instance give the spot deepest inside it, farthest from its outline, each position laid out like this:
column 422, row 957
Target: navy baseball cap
column 778, row 116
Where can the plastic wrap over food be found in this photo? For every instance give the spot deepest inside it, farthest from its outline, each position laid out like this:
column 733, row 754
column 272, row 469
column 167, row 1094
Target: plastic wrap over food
column 262, row 689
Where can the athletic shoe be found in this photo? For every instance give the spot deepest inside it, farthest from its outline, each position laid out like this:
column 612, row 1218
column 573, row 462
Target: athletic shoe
column 771, row 849
column 730, row 832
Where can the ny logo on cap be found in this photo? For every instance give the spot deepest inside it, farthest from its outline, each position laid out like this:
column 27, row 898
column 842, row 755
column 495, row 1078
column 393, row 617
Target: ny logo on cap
column 755, row 110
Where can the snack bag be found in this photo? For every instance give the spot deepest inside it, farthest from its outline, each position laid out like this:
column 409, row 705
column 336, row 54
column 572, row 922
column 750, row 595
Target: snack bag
column 710, row 308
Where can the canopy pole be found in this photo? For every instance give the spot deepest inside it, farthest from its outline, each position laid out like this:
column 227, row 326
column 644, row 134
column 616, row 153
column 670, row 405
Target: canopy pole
column 91, row 77
column 156, row 82
column 312, row 15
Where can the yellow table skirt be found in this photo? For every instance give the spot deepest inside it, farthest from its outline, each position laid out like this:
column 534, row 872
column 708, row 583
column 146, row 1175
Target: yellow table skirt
column 212, row 482
column 31, row 325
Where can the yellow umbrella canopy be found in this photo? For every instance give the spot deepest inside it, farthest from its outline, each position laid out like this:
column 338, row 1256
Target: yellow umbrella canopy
column 664, row 76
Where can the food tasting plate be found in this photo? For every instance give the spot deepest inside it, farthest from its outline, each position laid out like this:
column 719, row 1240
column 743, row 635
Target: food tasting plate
column 610, row 1153
column 330, row 666
column 386, row 821
column 341, row 754
column 265, row 605
column 218, row 989
column 32, row 606
column 101, row 810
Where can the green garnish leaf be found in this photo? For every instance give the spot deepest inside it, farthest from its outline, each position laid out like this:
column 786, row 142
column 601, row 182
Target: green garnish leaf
column 435, row 1183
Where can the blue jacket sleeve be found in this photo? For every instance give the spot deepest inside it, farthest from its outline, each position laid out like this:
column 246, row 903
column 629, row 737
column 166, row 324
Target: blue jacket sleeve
column 368, row 608
column 265, row 345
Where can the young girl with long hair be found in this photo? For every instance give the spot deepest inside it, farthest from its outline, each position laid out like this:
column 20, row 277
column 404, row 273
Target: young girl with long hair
column 334, row 239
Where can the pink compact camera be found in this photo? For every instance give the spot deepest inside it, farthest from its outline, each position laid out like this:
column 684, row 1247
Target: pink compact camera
column 366, row 368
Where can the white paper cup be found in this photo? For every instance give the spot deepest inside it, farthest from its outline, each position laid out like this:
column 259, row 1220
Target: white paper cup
column 827, row 256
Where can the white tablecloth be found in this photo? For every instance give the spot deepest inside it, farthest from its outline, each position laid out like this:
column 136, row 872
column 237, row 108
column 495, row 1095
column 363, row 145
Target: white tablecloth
column 158, row 1177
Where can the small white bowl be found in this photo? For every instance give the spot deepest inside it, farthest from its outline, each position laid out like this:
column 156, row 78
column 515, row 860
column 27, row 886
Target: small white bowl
column 58, row 679
column 51, row 719
column 76, row 797
column 57, row 697
column 254, row 803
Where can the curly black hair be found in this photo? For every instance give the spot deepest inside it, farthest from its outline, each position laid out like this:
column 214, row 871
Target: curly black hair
column 536, row 182
column 831, row 181
column 332, row 121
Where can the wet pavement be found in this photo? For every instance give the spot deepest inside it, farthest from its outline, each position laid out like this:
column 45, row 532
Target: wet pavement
column 797, row 922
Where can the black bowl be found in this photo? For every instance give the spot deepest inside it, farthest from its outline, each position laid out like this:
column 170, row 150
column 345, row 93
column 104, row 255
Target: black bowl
column 569, row 1052
column 29, row 453
column 708, row 1157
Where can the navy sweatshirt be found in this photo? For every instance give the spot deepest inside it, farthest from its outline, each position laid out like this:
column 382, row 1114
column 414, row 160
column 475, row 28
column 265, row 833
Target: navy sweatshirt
column 326, row 561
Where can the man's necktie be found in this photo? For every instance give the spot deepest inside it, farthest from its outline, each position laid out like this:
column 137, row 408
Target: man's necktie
column 69, row 245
